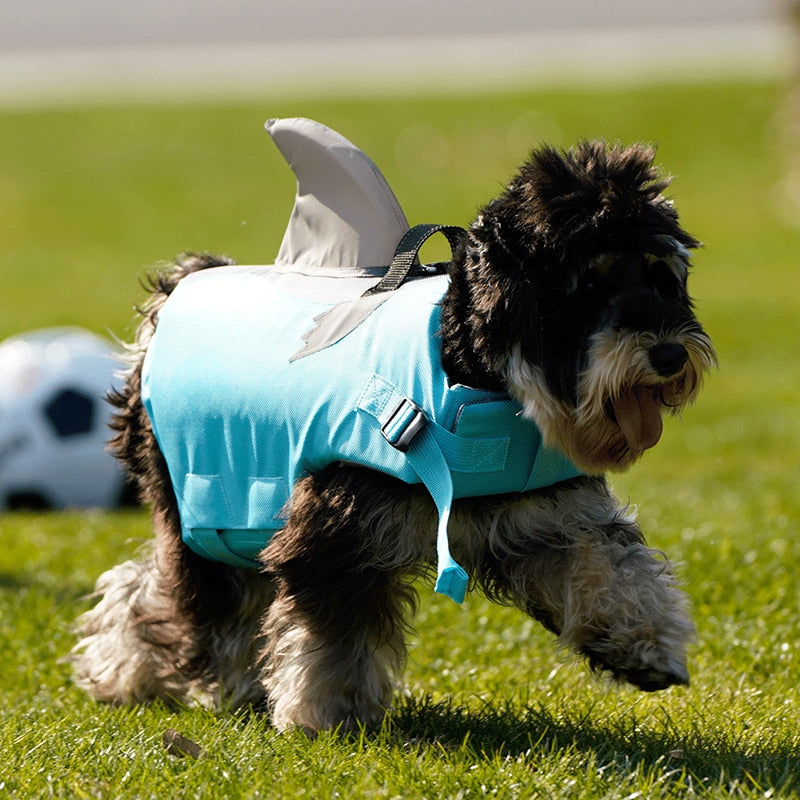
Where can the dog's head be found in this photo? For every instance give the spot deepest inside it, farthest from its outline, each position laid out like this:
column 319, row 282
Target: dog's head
column 583, row 264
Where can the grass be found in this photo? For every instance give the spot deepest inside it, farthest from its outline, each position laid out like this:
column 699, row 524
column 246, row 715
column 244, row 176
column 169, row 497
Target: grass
column 91, row 197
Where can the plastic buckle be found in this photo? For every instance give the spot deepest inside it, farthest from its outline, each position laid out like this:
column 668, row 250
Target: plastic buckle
column 403, row 424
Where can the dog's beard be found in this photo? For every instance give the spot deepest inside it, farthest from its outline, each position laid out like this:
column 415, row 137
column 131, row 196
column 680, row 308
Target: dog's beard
column 621, row 397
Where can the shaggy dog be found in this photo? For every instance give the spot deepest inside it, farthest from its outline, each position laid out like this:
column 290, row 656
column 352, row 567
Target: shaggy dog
column 569, row 294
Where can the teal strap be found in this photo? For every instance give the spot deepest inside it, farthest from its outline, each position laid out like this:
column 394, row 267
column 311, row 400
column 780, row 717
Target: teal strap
column 227, row 546
column 405, row 427
column 551, row 468
column 397, row 417
column 426, row 459
column 465, row 454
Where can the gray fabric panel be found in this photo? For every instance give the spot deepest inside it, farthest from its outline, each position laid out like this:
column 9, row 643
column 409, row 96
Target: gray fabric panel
column 345, row 214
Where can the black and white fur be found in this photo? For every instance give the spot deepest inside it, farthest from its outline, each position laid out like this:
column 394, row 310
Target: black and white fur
column 570, row 294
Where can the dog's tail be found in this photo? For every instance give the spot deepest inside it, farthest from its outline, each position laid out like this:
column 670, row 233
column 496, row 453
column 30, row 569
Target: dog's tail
column 132, row 441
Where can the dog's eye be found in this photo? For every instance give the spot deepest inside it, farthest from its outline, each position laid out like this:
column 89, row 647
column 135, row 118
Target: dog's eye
column 661, row 277
column 602, row 264
column 676, row 263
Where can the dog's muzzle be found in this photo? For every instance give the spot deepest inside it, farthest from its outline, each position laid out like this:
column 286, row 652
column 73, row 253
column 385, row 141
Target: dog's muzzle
column 668, row 358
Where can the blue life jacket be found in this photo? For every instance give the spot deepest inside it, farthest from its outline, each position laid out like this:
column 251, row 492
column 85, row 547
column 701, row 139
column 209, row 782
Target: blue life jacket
column 240, row 418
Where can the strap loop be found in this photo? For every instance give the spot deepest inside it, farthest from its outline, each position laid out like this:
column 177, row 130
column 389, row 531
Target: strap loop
column 406, row 253
column 403, row 424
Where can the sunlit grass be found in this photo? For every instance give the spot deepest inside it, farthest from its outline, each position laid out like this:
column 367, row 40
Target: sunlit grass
column 91, row 198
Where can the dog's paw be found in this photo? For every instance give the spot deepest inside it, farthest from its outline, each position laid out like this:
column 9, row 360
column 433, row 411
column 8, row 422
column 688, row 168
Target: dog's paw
column 649, row 668
column 653, row 679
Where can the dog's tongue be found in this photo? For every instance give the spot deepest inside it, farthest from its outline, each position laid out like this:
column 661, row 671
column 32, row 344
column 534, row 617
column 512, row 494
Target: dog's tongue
column 638, row 414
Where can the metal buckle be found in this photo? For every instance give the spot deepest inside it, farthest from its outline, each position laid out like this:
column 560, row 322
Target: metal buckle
column 403, row 424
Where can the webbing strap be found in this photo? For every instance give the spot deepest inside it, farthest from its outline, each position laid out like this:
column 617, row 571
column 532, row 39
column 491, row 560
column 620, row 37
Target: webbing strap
column 400, row 420
column 427, row 461
column 405, row 427
column 228, row 546
column 406, row 253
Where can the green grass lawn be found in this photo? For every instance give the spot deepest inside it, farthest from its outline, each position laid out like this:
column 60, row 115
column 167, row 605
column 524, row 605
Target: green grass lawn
column 89, row 199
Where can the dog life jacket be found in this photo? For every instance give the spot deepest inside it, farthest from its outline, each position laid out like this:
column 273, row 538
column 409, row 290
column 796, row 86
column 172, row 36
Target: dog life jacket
column 259, row 375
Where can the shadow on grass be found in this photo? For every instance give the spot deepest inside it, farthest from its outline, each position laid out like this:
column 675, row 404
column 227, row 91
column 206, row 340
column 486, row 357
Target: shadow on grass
column 9, row 581
column 712, row 757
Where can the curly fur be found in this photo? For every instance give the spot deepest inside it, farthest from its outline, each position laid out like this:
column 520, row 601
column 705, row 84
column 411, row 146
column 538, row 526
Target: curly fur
column 571, row 295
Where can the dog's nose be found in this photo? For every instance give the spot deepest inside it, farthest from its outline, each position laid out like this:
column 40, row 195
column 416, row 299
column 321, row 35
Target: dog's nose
column 668, row 358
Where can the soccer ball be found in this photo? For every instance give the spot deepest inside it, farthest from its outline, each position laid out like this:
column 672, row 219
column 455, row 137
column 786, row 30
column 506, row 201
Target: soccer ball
column 54, row 421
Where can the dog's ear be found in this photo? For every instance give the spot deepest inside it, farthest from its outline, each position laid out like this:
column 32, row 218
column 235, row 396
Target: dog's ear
column 582, row 198
column 577, row 188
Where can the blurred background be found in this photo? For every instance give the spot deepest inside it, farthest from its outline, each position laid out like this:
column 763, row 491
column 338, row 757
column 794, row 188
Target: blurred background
column 132, row 131
column 90, row 49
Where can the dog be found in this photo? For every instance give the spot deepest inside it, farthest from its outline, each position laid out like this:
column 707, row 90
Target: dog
column 567, row 296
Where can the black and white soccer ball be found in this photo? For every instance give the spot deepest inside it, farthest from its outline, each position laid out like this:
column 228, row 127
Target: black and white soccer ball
column 54, row 421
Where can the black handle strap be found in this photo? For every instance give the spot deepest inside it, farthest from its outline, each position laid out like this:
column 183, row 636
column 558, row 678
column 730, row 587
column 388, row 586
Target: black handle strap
column 406, row 253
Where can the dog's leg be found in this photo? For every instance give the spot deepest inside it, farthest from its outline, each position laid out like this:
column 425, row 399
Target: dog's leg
column 134, row 641
column 572, row 558
column 335, row 632
column 172, row 626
